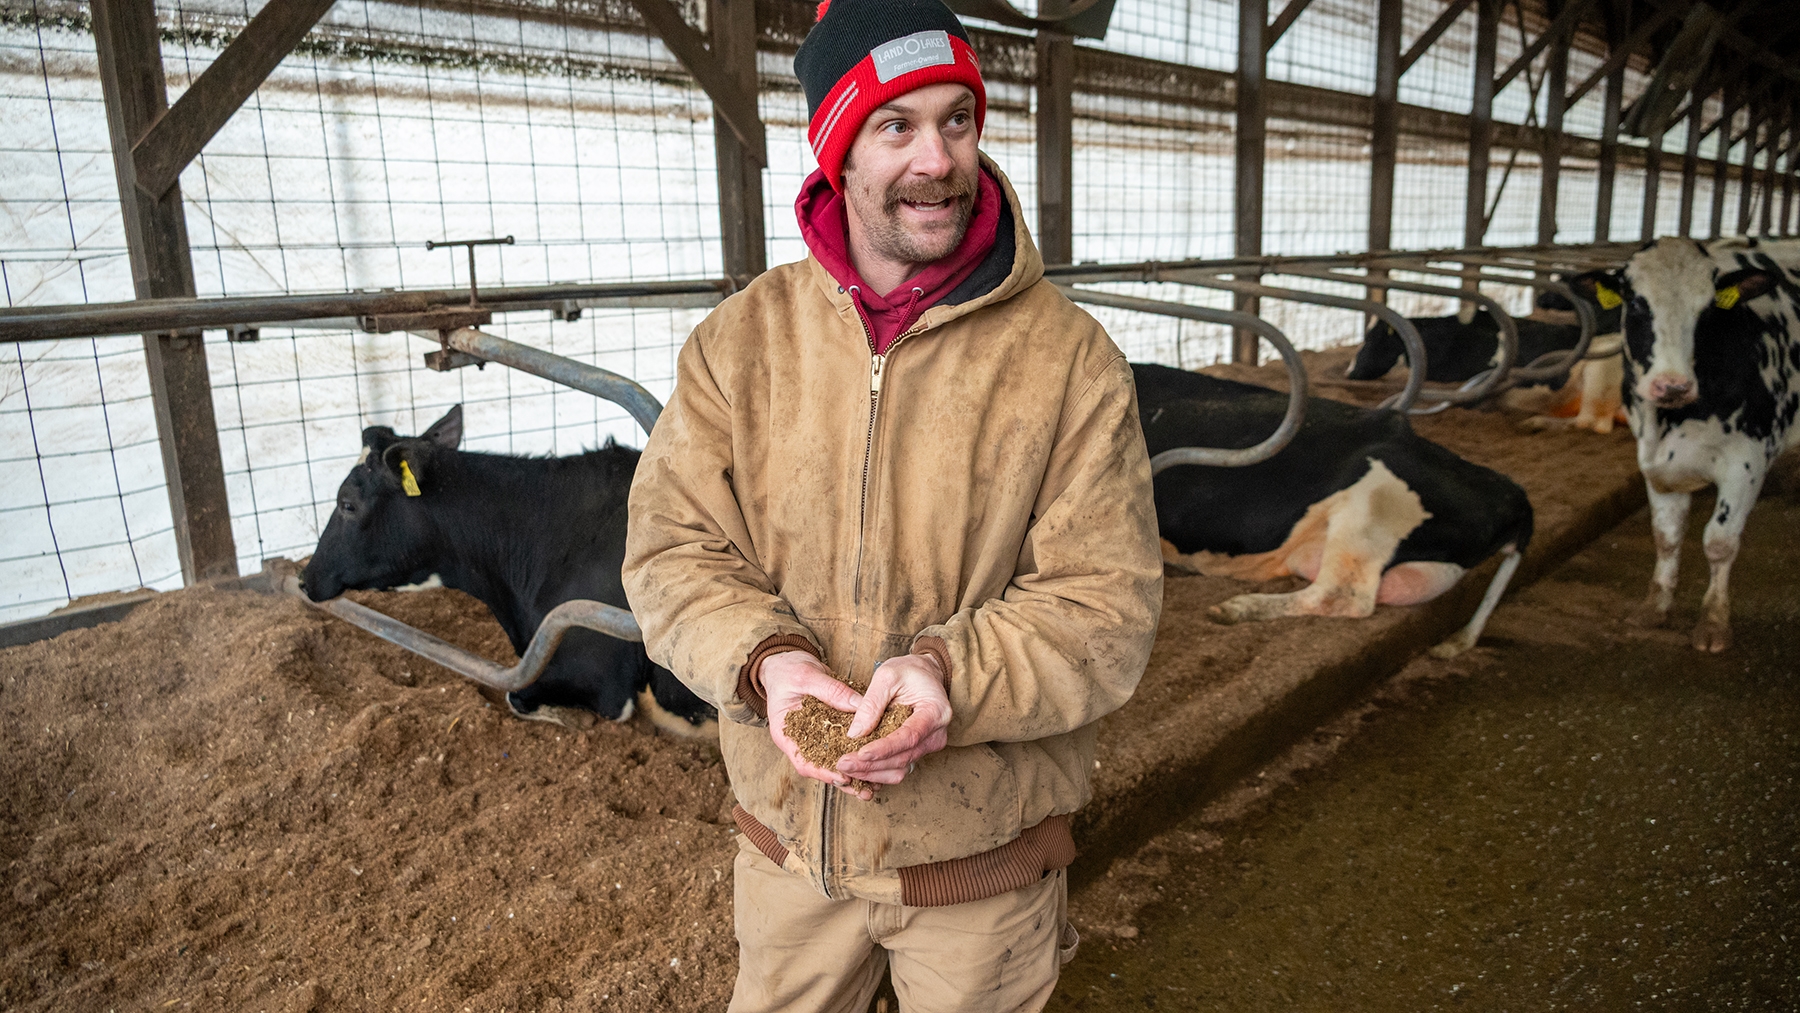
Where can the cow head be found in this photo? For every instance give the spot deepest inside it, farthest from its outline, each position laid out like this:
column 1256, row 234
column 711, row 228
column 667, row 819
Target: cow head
column 1381, row 348
column 1668, row 286
column 381, row 534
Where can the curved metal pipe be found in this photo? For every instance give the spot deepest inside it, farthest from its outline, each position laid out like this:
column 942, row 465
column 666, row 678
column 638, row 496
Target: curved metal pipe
column 597, row 616
column 1219, row 457
column 1509, row 330
column 621, row 390
column 1409, row 335
column 1551, row 365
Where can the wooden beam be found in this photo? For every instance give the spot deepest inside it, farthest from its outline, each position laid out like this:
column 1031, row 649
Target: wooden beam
column 1690, row 170
column 128, row 45
column 1721, row 168
column 1615, row 61
column 1747, row 181
column 1787, row 175
column 1618, row 22
column 177, row 136
column 1653, row 155
column 1384, row 138
column 1481, row 122
column 1563, row 23
column 741, row 229
column 736, row 105
column 1556, row 80
column 1056, row 139
column 1252, row 134
column 1730, row 109
column 1430, row 35
column 1283, row 22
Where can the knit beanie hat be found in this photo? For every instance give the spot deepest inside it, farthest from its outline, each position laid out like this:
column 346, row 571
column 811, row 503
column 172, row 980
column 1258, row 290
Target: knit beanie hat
column 863, row 53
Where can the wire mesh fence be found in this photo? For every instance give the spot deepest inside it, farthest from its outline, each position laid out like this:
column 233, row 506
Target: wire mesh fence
column 567, row 126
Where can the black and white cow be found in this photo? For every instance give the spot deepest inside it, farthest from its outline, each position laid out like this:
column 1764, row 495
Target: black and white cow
column 1712, row 386
column 522, row 534
column 1456, row 351
column 1358, row 503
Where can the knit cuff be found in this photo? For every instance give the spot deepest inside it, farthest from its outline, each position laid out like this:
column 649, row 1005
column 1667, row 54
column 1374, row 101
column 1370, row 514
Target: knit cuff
column 938, row 651
column 750, row 687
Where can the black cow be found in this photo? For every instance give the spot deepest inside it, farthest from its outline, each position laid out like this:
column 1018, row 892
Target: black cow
column 523, row 534
column 1457, row 351
column 1712, row 387
column 1357, row 503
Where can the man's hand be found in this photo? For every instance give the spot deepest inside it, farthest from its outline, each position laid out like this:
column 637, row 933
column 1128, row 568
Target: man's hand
column 788, row 679
column 911, row 679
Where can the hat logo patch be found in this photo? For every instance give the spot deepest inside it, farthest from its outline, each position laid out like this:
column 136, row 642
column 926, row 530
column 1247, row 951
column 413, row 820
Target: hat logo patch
column 913, row 52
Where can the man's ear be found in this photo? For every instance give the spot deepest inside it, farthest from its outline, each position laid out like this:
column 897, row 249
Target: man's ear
column 408, row 461
column 1738, row 286
column 446, row 432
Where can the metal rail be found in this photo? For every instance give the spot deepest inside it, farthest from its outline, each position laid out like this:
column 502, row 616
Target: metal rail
column 621, row 390
column 1219, row 457
column 166, row 316
column 580, row 612
column 1409, row 334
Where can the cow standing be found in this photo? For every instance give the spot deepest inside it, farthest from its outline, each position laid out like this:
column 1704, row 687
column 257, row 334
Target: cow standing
column 1712, row 353
column 523, row 535
column 1357, row 503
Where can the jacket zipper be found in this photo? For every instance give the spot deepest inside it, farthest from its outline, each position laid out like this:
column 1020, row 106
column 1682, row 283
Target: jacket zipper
column 877, row 364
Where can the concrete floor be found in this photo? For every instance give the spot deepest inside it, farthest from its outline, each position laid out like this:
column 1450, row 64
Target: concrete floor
column 1576, row 815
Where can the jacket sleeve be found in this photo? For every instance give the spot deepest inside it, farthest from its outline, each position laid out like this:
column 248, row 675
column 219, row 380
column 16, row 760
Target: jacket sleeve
column 705, row 608
column 1068, row 639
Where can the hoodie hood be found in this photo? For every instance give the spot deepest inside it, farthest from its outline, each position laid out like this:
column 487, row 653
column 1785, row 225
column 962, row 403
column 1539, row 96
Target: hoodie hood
column 824, row 224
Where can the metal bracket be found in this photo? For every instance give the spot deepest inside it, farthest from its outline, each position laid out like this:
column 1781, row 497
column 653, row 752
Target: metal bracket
column 429, row 320
column 446, row 359
column 474, row 296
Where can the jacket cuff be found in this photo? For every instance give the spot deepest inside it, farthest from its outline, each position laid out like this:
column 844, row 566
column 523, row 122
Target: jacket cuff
column 749, row 686
column 938, row 651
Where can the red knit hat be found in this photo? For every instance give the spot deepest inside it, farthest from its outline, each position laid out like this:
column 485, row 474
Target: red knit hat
column 864, row 53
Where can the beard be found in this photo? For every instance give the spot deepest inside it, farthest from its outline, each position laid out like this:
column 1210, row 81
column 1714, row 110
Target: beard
column 892, row 237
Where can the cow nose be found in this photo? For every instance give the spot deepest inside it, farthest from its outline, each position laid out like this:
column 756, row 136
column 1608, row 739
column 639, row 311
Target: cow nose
column 1669, row 392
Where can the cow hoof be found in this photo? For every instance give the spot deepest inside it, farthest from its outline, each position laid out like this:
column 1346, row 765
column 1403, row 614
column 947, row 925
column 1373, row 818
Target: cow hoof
column 1227, row 613
column 1648, row 617
column 1452, row 647
column 1712, row 637
column 572, row 718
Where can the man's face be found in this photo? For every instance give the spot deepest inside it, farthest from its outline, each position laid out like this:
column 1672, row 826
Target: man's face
column 910, row 176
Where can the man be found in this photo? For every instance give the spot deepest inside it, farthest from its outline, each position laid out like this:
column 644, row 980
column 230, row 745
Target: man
column 910, row 466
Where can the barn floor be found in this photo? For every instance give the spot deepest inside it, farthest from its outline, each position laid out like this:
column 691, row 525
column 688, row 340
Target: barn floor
column 232, row 801
column 1575, row 815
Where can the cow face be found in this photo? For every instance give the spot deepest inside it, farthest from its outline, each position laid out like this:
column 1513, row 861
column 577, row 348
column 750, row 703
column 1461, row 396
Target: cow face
column 1668, row 286
column 1381, row 348
column 381, row 533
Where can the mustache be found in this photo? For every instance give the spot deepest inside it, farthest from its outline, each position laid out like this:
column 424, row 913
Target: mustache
column 929, row 192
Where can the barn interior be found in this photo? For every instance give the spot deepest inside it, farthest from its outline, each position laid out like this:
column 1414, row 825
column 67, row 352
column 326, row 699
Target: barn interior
column 235, row 234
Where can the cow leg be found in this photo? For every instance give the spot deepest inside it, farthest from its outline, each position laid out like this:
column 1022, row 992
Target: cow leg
column 1736, row 496
column 1465, row 638
column 1416, row 583
column 1668, row 522
column 1364, row 524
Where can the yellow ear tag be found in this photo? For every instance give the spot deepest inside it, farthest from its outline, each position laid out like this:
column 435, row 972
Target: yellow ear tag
column 1727, row 297
column 1607, row 297
column 407, row 481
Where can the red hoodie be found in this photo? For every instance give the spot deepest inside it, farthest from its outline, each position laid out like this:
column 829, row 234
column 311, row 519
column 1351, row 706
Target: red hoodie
column 824, row 225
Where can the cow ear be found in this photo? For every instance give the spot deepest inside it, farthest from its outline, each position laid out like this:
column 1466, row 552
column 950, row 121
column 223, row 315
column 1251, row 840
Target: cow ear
column 1738, row 286
column 1604, row 287
column 376, row 440
column 446, row 432
column 407, row 461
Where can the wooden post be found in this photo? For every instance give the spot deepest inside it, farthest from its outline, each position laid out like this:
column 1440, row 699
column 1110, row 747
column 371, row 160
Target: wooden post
column 1722, row 167
column 1557, row 87
column 1056, row 139
column 129, row 47
column 1690, row 167
column 1787, row 175
column 1481, row 122
column 741, row 231
column 1618, row 23
column 1252, row 135
column 1777, row 145
column 1747, row 172
column 1653, row 156
column 1384, row 139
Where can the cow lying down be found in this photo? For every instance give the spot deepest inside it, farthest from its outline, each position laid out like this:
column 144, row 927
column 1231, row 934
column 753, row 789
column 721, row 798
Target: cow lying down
column 1357, row 503
column 523, row 535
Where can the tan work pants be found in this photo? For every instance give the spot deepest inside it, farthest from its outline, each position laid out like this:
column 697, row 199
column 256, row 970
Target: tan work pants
column 801, row 952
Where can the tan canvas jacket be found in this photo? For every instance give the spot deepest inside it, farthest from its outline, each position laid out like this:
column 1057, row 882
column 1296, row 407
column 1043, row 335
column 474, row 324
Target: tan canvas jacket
column 980, row 493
